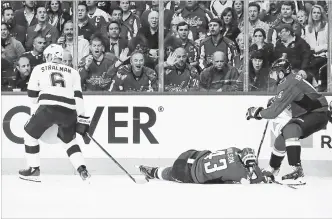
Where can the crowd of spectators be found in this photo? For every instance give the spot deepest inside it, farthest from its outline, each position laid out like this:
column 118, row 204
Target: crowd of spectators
column 118, row 43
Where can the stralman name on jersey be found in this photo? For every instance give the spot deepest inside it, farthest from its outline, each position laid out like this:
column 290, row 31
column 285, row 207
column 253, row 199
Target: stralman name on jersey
column 56, row 84
column 56, row 68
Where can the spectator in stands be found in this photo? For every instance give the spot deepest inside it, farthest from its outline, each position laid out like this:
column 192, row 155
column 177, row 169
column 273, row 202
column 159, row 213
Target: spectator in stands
column 240, row 42
column 26, row 16
column 187, row 44
column 272, row 13
column 98, row 17
column 134, row 77
column 168, row 15
column 150, row 36
column 297, row 50
column 67, row 58
column 302, row 18
column 43, row 27
column 259, row 72
column 23, row 72
column 218, row 6
column 138, row 7
column 230, row 27
column 217, row 42
column 85, row 28
column 36, row 54
column 196, row 17
column 126, row 31
column 11, row 49
column 16, row 31
column 259, row 43
column 220, row 77
column 238, row 8
column 254, row 21
column 129, row 19
column 93, row 67
column 179, row 76
column 287, row 10
column 67, row 41
column 316, row 35
column 56, row 17
column 115, row 44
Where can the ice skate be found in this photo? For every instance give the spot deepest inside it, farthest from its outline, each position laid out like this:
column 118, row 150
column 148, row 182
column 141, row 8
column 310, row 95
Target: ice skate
column 149, row 172
column 30, row 174
column 84, row 174
column 294, row 178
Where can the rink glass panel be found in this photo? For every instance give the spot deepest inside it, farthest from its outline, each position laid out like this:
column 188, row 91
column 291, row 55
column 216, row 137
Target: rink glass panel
column 245, row 42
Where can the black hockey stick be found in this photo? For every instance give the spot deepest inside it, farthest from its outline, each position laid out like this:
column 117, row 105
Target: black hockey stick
column 115, row 161
column 262, row 140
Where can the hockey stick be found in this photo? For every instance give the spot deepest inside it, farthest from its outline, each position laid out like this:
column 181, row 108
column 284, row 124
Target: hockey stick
column 262, row 140
column 279, row 183
column 115, row 161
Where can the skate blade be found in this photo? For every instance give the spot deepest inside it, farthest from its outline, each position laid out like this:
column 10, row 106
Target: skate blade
column 294, row 182
column 30, row 178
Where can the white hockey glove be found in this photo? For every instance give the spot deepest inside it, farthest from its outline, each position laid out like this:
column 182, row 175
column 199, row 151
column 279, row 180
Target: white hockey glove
column 83, row 125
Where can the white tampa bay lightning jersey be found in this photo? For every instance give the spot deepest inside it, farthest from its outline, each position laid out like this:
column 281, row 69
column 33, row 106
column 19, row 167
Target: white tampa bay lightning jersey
column 56, row 84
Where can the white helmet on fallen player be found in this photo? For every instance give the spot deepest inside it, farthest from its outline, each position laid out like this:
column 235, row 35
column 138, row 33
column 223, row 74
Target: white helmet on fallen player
column 53, row 53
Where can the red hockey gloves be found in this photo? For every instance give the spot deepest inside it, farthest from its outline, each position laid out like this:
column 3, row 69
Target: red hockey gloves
column 268, row 176
column 248, row 157
column 253, row 113
column 83, row 125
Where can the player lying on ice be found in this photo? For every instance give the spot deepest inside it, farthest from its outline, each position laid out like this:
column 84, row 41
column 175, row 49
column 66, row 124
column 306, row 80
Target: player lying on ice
column 308, row 113
column 227, row 166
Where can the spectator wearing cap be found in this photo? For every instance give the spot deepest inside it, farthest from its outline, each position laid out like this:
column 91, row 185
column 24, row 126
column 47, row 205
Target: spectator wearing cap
column 43, row 28
column 259, row 43
column 287, row 10
column 196, row 17
column 11, row 49
column 26, row 16
column 16, row 31
column 230, row 27
column 217, row 42
column 297, row 50
column 56, row 16
column 254, row 21
column 36, row 54
column 85, row 27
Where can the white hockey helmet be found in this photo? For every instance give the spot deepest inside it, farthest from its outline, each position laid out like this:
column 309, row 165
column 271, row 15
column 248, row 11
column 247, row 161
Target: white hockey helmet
column 52, row 52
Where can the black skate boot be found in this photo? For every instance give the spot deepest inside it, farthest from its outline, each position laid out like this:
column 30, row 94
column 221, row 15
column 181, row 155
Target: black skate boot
column 84, row 174
column 149, row 172
column 30, row 174
column 294, row 178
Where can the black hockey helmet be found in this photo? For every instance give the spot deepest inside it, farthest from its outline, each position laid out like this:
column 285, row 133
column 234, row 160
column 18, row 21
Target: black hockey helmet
column 281, row 66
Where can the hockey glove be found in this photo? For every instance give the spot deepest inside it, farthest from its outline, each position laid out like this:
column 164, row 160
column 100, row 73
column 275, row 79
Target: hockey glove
column 268, row 177
column 83, row 125
column 253, row 113
column 248, row 157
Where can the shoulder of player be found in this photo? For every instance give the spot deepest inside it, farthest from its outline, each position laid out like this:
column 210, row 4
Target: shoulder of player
column 289, row 82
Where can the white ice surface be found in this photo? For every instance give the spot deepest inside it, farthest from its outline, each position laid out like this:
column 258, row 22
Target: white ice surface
column 118, row 197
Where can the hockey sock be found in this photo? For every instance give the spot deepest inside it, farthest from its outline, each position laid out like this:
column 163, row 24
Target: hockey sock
column 275, row 161
column 75, row 156
column 32, row 155
column 294, row 155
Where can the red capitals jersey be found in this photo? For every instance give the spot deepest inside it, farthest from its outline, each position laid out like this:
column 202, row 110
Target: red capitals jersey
column 219, row 166
column 126, row 80
column 177, row 80
column 300, row 94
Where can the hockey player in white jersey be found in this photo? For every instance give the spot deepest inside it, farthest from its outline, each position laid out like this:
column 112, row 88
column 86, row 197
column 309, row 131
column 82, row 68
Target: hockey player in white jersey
column 55, row 90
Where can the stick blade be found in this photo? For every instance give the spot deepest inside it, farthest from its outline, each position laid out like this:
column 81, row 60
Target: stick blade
column 140, row 179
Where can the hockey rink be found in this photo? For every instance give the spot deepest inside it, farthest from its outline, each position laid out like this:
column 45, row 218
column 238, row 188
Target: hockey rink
column 119, row 197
